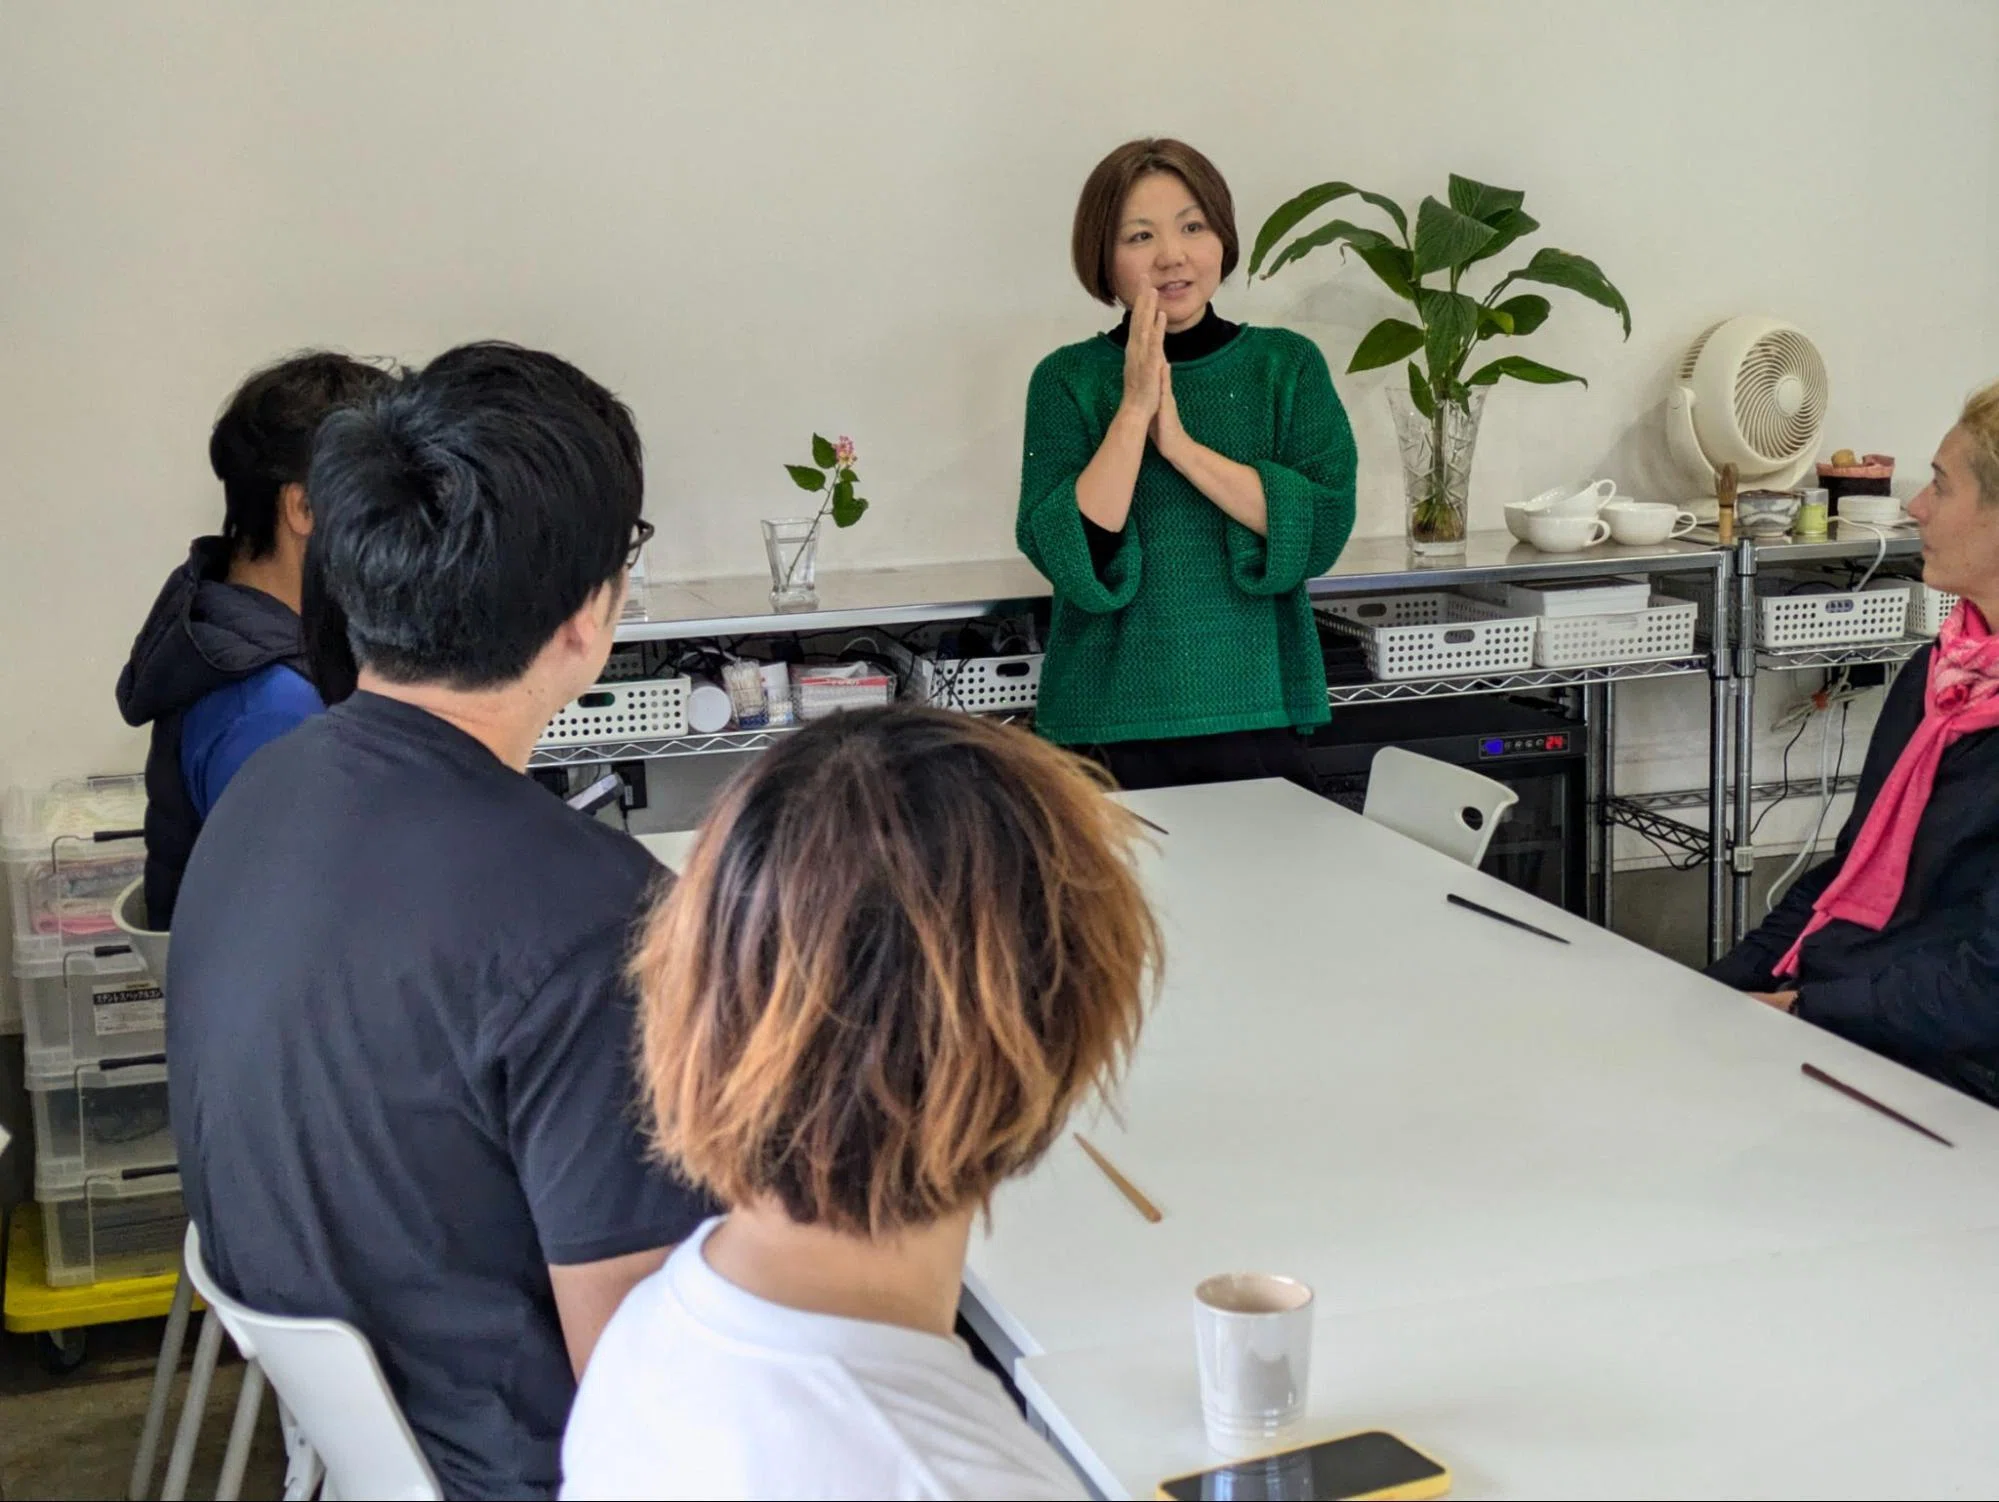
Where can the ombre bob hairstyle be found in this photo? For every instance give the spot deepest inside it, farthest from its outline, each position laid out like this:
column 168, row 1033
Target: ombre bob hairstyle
column 906, row 944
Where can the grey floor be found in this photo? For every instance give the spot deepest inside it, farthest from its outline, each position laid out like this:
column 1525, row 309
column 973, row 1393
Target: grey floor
column 73, row 1436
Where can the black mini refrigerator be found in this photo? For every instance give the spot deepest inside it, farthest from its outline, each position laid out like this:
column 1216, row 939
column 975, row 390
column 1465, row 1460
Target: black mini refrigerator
column 1542, row 844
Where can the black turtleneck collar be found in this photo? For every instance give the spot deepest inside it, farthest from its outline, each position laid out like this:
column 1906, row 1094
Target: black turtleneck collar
column 1204, row 338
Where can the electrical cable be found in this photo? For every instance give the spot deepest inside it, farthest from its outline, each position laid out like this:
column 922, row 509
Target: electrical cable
column 1810, row 847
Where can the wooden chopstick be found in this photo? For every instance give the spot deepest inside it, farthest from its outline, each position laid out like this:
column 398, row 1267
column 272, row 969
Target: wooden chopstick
column 1812, row 1071
column 1124, row 1185
column 1161, row 828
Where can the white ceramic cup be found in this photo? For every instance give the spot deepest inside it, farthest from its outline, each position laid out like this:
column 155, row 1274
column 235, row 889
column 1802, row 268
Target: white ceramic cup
column 1566, row 534
column 1585, row 502
column 1253, row 1342
column 1644, row 523
column 1517, row 512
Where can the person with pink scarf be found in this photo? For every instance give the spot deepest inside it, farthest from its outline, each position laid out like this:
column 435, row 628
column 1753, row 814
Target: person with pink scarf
column 1894, row 941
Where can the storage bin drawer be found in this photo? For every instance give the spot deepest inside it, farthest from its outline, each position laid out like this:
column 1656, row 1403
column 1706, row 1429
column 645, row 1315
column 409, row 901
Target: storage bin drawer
column 100, row 1119
column 114, row 1226
column 87, row 1007
column 66, row 864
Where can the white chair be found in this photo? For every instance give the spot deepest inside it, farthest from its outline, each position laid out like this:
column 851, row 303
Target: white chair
column 1453, row 810
column 332, row 1389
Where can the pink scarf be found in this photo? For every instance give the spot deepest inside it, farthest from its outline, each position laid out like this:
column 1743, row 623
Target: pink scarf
column 1963, row 697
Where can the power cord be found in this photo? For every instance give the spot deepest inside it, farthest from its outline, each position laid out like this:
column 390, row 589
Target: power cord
column 1826, row 776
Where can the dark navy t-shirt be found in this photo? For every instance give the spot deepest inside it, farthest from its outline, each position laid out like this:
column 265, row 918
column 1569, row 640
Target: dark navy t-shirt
column 400, row 1064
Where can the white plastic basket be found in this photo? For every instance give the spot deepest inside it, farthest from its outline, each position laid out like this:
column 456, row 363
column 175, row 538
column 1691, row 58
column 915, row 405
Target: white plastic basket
column 1433, row 635
column 819, row 692
column 1928, row 609
column 1834, row 618
column 1662, row 630
column 979, row 685
column 648, row 709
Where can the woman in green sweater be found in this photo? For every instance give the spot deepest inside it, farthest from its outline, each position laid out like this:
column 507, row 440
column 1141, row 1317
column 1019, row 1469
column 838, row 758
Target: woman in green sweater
column 1184, row 476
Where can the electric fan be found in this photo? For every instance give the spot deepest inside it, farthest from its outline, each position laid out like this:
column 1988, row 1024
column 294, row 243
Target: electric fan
column 1750, row 392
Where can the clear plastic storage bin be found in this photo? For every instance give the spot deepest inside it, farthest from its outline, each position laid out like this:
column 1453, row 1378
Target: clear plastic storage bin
column 87, row 1006
column 69, row 851
column 114, row 1226
column 102, row 1118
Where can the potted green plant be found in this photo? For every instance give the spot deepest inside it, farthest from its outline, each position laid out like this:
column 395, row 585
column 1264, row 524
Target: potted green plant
column 792, row 543
column 1437, row 413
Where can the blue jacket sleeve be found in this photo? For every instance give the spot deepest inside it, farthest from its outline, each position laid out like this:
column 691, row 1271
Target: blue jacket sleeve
column 1049, row 528
column 1308, row 488
column 229, row 726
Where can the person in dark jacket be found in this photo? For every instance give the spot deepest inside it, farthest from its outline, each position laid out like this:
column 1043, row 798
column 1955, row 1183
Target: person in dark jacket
column 1894, row 941
column 221, row 666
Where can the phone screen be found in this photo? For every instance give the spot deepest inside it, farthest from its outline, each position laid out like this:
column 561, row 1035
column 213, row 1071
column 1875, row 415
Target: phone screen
column 1357, row 1466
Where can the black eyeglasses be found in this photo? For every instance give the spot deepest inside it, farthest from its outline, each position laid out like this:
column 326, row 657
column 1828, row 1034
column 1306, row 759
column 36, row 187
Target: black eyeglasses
column 642, row 534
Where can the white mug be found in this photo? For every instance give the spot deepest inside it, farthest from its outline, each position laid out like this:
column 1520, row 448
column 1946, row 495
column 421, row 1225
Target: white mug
column 1645, row 523
column 1566, row 534
column 1585, row 502
column 1253, row 1342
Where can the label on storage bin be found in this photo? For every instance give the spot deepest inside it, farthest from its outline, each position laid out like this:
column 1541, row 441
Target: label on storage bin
column 130, row 1008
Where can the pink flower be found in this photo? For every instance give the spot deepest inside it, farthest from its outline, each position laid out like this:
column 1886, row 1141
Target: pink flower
column 843, row 452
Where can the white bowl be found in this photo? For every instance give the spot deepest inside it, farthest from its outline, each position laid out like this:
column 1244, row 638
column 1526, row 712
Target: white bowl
column 1873, row 510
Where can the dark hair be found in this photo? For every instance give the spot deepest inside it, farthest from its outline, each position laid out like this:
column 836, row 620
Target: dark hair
column 262, row 442
column 463, row 516
column 907, row 943
column 1093, row 241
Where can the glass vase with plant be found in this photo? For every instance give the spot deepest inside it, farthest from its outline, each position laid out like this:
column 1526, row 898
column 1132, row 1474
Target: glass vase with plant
column 1437, row 413
column 792, row 543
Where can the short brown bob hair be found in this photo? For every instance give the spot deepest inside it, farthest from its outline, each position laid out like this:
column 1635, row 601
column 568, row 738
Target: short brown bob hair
column 907, row 943
column 1093, row 242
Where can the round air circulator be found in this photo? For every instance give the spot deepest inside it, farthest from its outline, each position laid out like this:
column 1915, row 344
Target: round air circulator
column 1751, row 392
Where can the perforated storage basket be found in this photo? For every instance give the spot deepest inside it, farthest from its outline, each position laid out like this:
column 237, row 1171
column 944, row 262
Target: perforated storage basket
column 108, row 1118
column 980, row 685
column 113, row 1227
column 88, row 1006
column 1927, row 610
column 1433, row 635
column 1828, row 619
column 69, row 850
column 1664, row 629
column 647, row 709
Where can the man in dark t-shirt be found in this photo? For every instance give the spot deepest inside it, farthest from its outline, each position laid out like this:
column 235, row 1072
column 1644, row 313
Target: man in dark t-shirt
column 400, row 1040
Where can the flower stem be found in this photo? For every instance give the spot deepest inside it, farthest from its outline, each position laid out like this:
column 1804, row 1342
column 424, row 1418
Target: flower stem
column 792, row 567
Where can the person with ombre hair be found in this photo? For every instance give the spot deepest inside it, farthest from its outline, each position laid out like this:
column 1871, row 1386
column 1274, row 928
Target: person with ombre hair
column 1893, row 943
column 906, row 945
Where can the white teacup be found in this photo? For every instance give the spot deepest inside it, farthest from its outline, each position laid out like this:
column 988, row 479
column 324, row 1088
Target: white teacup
column 1645, row 523
column 1517, row 512
column 1585, row 502
column 1565, row 534
column 1253, row 1347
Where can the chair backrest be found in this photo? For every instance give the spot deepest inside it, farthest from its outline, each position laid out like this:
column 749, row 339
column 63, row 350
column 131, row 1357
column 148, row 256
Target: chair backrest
column 1453, row 810
column 150, row 944
column 325, row 1373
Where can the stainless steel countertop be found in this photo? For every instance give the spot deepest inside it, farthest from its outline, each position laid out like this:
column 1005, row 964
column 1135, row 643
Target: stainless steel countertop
column 855, row 599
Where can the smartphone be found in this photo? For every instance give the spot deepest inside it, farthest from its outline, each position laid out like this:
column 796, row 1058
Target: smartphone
column 1375, row 1464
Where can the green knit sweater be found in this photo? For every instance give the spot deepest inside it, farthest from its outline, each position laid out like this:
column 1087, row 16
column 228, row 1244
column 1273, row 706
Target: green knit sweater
column 1196, row 625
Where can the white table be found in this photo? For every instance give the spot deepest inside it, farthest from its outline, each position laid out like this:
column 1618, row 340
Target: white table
column 1543, row 1192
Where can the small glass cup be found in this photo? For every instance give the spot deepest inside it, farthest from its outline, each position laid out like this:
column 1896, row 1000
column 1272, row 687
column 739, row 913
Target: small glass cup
column 1253, row 1340
column 792, row 546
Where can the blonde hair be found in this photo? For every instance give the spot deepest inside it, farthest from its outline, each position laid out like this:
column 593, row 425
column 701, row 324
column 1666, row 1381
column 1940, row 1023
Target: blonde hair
column 907, row 943
column 1980, row 421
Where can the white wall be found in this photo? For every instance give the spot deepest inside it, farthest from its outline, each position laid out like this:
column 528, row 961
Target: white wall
column 757, row 219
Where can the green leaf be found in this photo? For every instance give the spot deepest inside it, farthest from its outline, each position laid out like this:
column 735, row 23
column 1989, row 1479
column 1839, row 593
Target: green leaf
column 1520, row 368
column 1561, row 268
column 1482, row 202
column 823, row 453
column 1288, row 216
column 805, row 477
column 848, row 508
column 1388, row 341
column 1419, row 391
column 1494, row 321
column 1395, row 266
column 1506, row 228
column 1446, row 239
column 1450, row 323
column 1528, row 312
column 1337, row 230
